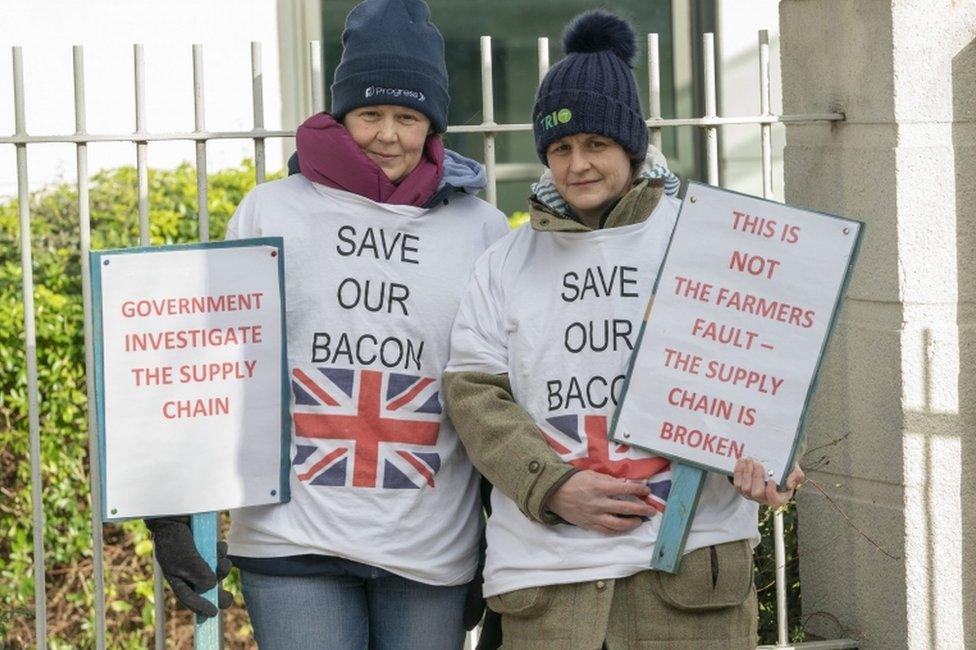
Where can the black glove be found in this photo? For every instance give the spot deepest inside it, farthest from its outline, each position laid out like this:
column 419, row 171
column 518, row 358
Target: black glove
column 184, row 569
column 474, row 602
column 491, row 631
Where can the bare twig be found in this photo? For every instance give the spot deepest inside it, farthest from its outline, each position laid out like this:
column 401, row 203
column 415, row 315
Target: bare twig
column 843, row 629
column 843, row 514
column 832, row 443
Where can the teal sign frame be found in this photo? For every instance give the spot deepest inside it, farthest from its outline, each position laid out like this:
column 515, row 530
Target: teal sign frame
column 688, row 478
column 98, row 259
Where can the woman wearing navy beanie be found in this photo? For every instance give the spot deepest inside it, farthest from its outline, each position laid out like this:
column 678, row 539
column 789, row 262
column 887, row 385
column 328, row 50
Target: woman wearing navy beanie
column 378, row 547
column 539, row 351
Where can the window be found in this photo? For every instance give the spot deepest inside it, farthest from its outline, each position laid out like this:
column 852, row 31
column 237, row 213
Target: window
column 514, row 26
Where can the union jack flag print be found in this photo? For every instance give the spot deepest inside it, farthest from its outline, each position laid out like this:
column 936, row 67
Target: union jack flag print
column 581, row 441
column 365, row 428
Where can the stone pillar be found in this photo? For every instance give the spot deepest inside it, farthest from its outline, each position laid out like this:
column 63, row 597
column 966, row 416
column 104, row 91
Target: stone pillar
column 891, row 431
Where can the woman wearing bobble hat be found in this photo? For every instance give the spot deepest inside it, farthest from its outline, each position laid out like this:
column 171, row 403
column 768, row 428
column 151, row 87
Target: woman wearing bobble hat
column 538, row 355
column 378, row 546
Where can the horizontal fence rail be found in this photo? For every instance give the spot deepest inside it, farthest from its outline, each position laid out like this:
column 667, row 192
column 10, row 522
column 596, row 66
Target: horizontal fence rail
column 489, row 128
column 141, row 137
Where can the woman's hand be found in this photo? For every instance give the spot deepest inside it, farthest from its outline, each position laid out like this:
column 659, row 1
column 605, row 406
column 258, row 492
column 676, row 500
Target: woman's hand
column 749, row 479
column 600, row 502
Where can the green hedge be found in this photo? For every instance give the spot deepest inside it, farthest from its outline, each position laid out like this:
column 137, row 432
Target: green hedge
column 63, row 413
column 63, row 416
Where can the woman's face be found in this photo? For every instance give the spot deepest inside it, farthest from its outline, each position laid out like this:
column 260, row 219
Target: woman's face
column 391, row 136
column 590, row 171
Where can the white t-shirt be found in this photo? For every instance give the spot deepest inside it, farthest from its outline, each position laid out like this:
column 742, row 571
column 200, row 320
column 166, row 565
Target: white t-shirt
column 560, row 313
column 378, row 473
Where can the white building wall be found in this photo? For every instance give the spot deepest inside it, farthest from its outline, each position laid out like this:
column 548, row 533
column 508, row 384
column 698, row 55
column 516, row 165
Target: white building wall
column 47, row 30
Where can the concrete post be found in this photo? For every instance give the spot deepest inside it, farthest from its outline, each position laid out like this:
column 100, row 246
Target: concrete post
column 892, row 428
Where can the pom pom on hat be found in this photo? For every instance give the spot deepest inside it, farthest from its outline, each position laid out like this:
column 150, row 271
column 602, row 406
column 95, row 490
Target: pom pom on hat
column 599, row 30
column 593, row 89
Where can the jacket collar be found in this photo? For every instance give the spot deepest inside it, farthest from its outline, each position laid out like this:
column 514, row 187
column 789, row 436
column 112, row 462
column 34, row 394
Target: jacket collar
column 635, row 206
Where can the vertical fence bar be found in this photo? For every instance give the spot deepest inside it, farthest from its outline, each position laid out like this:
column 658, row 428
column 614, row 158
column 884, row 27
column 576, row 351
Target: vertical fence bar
column 711, row 132
column 30, row 344
column 142, row 167
column 765, row 110
column 488, row 120
column 142, row 179
column 316, row 78
column 199, row 126
column 84, row 233
column 780, row 554
column 257, row 95
column 543, row 48
column 654, row 85
column 779, row 544
column 204, row 630
column 159, row 606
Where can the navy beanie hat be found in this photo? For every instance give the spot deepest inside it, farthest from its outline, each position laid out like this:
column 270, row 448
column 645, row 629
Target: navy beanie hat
column 593, row 89
column 392, row 54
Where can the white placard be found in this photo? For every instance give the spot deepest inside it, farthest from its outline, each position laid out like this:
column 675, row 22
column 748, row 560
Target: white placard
column 743, row 306
column 190, row 353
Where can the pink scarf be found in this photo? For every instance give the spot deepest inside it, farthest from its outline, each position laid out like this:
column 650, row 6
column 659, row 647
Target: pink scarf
column 327, row 154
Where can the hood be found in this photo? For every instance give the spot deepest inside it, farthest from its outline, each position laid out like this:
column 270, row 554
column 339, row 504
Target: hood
column 463, row 174
column 460, row 174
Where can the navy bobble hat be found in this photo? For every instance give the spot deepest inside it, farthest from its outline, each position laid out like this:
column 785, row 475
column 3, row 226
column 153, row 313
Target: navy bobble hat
column 392, row 54
column 593, row 89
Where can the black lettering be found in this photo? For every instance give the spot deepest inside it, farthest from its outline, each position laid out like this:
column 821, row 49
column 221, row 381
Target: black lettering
column 555, row 388
column 320, row 344
column 399, row 294
column 615, row 387
column 343, row 349
column 594, row 345
column 388, row 250
column 589, row 284
column 369, row 242
column 621, row 330
column 388, row 343
column 342, row 239
column 345, row 303
column 574, row 392
column 589, row 392
column 373, row 295
column 409, row 249
column 598, row 281
column 607, row 286
column 582, row 337
column 377, row 305
column 367, row 350
column 573, row 287
column 359, row 349
column 624, row 281
column 413, row 355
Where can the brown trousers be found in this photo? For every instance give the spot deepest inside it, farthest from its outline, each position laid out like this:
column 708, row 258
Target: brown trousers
column 709, row 604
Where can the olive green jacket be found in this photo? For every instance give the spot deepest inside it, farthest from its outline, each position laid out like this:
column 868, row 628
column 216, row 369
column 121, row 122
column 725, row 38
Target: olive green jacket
column 502, row 439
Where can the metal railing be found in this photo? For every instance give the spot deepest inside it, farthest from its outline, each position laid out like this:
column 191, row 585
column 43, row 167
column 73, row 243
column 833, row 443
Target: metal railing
column 141, row 137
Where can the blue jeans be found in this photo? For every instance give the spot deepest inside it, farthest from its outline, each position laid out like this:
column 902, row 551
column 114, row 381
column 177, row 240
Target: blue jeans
column 354, row 606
